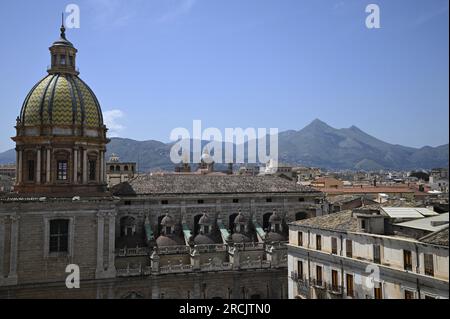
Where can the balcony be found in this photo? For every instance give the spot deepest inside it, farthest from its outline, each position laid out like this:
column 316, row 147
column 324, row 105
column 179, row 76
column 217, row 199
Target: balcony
column 335, row 289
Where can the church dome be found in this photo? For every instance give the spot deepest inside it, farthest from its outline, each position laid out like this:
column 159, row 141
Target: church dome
column 61, row 100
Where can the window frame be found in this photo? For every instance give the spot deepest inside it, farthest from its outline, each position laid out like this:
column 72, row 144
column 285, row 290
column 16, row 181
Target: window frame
column 427, row 258
column 377, row 256
column 62, row 173
column 300, row 239
column 349, row 244
column 407, row 260
column 350, row 292
column 61, row 236
column 334, row 246
column 318, row 242
column 70, row 237
column 92, row 170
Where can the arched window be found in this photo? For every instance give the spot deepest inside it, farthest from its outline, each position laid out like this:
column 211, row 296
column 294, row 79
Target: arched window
column 111, row 168
column 118, row 168
column 125, row 168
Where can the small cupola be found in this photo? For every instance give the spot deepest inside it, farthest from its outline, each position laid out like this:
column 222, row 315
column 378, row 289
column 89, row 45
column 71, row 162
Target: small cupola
column 63, row 55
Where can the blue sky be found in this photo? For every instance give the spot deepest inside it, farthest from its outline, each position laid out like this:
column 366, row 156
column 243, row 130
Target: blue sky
column 160, row 64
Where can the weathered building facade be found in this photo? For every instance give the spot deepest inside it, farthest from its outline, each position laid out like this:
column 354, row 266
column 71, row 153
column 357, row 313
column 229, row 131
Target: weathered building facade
column 156, row 236
column 362, row 255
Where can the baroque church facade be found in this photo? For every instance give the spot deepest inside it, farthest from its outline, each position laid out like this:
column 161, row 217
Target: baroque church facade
column 154, row 236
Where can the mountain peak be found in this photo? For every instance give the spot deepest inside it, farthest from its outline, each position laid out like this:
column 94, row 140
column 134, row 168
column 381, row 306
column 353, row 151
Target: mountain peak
column 318, row 124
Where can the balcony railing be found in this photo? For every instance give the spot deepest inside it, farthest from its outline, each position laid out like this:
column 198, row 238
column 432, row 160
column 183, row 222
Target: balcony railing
column 255, row 264
column 210, row 248
column 173, row 250
column 249, row 246
column 132, row 252
column 129, row 272
column 171, row 269
column 214, row 267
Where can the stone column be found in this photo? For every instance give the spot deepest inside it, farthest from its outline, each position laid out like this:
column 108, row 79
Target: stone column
column 112, row 244
column 75, row 166
column 85, row 172
column 49, row 165
column 100, row 245
column 14, row 245
column 2, row 245
column 19, row 164
column 38, row 166
column 102, row 167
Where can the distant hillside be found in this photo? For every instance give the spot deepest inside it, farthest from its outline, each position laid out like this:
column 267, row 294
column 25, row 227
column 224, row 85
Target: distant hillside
column 317, row 145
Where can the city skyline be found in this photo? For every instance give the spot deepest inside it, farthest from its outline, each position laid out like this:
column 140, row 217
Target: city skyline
column 182, row 58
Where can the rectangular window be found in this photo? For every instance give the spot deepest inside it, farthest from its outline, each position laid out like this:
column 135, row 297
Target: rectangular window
column 334, row 245
column 200, row 201
column 377, row 254
column 92, row 170
column 235, row 200
column 269, row 200
column 409, row 294
column 62, row 60
column 318, row 242
column 301, row 199
column 300, row 238
column 319, row 275
column 59, row 236
column 349, row 248
column 300, row 269
column 429, row 267
column 164, row 202
column 349, row 281
column 31, row 170
column 407, row 260
column 62, row 173
column 377, row 291
column 71, row 60
column 334, row 280
column 363, row 224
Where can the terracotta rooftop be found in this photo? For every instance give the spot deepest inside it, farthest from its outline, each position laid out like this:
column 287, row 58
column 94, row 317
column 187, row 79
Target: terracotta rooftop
column 365, row 190
column 437, row 238
column 207, row 184
column 342, row 221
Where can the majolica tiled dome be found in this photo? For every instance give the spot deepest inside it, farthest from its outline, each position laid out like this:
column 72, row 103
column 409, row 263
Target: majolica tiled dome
column 61, row 100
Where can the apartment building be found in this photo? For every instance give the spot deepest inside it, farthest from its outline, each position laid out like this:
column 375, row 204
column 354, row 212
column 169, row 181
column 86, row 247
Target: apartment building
column 364, row 254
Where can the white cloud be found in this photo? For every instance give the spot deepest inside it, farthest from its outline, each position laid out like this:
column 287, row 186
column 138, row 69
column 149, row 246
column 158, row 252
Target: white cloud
column 112, row 121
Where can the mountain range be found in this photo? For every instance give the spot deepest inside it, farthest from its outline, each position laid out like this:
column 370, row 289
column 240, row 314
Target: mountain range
column 316, row 145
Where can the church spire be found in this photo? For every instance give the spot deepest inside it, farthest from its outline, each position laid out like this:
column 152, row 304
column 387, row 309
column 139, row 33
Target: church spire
column 63, row 28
